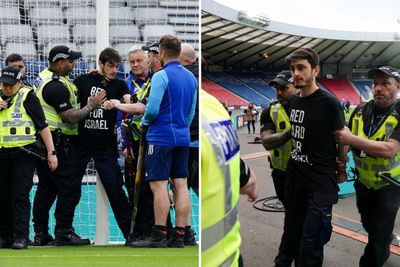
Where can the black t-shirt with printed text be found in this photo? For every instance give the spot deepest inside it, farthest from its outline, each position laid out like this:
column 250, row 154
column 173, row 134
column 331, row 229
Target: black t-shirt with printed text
column 314, row 119
column 96, row 131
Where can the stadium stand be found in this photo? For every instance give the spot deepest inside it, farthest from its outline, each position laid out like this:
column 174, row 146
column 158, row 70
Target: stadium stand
column 365, row 88
column 257, row 84
column 222, row 94
column 239, row 88
column 342, row 89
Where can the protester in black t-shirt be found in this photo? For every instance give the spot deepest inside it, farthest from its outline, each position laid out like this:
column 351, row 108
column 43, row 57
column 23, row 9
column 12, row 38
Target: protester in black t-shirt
column 97, row 138
column 311, row 170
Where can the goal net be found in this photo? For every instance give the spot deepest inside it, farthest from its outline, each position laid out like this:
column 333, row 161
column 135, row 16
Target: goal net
column 32, row 27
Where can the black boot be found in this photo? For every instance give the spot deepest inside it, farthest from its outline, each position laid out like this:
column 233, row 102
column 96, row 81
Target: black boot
column 69, row 238
column 176, row 240
column 20, row 243
column 156, row 239
column 43, row 239
column 189, row 239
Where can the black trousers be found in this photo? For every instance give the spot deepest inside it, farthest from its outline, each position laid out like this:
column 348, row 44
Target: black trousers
column 106, row 163
column 279, row 179
column 63, row 184
column 252, row 122
column 307, row 228
column 15, row 184
column 378, row 210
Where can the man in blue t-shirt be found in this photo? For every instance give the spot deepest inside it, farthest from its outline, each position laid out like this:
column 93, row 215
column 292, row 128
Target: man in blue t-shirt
column 168, row 115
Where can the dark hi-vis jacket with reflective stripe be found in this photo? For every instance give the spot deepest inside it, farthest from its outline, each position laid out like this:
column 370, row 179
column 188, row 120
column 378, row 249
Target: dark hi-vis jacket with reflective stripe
column 17, row 128
column 280, row 155
column 220, row 183
column 53, row 118
column 367, row 166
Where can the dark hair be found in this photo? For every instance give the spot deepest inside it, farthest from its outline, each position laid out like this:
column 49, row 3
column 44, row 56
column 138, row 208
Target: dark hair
column 171, row 45
column 13, row 58
column 304, row 53
column 110, row 55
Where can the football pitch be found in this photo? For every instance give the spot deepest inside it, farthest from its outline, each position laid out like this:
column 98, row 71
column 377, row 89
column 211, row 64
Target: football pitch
column 88, row 256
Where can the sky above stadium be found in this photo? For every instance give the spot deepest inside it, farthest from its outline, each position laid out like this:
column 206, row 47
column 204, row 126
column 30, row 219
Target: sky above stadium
column 347, row 15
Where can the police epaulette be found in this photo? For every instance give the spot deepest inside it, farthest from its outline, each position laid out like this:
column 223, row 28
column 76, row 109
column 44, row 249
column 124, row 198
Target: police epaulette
column 273, row 103
column 55, row 76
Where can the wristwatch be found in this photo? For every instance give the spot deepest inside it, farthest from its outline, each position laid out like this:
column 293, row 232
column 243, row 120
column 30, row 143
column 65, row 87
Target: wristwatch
column 52, row 152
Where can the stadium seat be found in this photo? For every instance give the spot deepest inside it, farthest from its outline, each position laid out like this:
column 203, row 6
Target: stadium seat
column 81, row 15
column 123, row 49
column 222, row 94
column 26, row 49
column 17, row 33
column 142, row 3
column 152, row 33
column 77, row 3
column 88, row 50
column 121, row 16
column 9, row 15
column 52, row 34
column 84, row 33
column 46, row 15
column 150, row 16
column 41, row 3
column 124, row 33
column 117, row 3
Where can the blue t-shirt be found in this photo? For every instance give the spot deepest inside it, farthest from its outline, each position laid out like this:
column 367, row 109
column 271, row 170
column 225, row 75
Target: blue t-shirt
column 171, row 105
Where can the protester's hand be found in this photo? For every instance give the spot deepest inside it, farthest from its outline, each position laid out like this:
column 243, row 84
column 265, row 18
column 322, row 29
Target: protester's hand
column 97, row 100
column 112, row 103
column 341, row 174
column 251, row 188
column 52, row 161
column 343, row 136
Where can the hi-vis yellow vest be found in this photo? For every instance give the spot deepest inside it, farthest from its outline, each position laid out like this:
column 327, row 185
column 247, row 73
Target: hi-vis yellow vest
column 53, row 118
column 281, row 155
column 368, row 166
column 17, row 128
column 140, row 94
column 220, row 185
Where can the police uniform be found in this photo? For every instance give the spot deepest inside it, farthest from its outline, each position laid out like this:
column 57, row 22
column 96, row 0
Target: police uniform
column 57, row 94
column 377, row 201
column 19, row 123
column 275, row 118
column 220, row 238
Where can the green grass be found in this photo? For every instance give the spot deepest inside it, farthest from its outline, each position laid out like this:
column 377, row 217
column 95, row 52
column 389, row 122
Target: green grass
column 97, row 256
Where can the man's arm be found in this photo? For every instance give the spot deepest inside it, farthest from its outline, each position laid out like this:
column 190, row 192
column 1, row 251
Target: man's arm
column 384, row 149
column 271, row 140
column 73, row 116
column 135, row 108
column 248, row 183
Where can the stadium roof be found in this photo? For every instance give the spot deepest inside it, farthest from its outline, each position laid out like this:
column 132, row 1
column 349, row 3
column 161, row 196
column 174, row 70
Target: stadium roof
column 233, row 42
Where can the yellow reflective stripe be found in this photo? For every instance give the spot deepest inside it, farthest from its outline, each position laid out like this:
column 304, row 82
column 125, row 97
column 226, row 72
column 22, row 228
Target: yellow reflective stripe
column 228, row 262
column 14, row 138
column 216, row 232
column 18, row 102
column 17, row 123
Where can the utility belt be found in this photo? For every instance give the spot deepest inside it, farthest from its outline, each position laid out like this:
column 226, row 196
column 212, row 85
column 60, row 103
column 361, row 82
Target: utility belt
column 63, row 142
